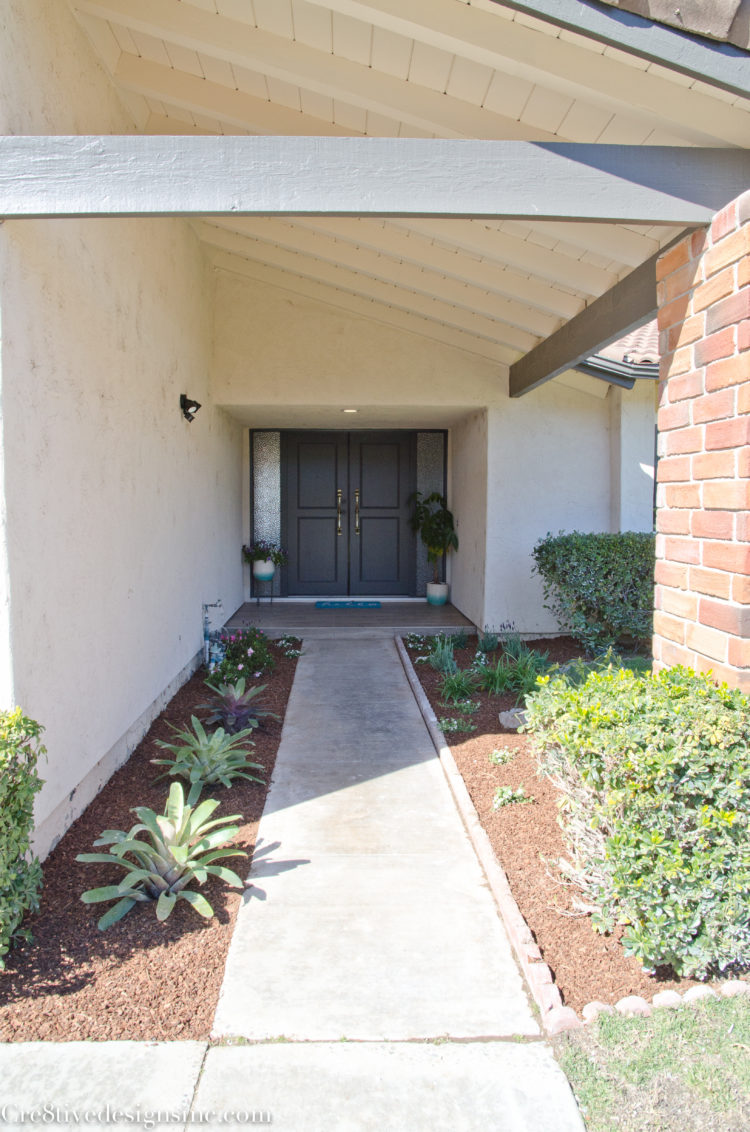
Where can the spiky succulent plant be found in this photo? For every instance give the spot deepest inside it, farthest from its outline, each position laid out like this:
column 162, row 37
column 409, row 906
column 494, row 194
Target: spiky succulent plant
column 209, row 758
column 181, row 846
column 236, row 707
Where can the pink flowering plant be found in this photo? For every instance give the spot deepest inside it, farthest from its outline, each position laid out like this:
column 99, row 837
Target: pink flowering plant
column 247, row 656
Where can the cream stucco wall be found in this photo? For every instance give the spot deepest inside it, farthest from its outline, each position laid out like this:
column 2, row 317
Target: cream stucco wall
column 121, row 518
column 283, row 360
column 468, row 501
column 633, row 446
column 548, row 470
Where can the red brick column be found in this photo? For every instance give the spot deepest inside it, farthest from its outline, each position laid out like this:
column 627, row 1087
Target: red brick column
column 702, row 597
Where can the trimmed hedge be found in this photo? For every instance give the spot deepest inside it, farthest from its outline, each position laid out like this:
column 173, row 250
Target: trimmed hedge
column 600, row 587
column 654, row 772
column 20, row 873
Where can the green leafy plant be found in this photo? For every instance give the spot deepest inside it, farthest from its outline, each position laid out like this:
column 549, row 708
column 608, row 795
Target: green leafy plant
column 599, row 586
column 434, row 523
column 205, row 759
column 20, row 871
column 508, row 796
column 516, row 670
column 488, row 641
column 500, row 757
column 263, row 550
column 181, row 847
column 441, row 658
column 654, row 772
column 459, row 639
column 457, row 686
column 290, row 646
column 415, row 640
column 236, row 707
column 450, row 724
column 247, row 653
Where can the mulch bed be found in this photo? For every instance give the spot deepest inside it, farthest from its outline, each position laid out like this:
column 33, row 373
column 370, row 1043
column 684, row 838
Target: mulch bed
column 139, row 980
column 586, row 966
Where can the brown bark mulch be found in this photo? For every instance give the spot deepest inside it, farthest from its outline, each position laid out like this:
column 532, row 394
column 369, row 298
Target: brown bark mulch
column 139, row 980
column 527, row 841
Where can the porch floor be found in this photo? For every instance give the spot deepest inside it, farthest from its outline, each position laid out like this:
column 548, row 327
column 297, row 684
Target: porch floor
column 304, row 619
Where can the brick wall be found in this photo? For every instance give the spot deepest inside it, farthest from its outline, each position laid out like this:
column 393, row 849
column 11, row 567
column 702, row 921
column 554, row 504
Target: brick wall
column 702, row 597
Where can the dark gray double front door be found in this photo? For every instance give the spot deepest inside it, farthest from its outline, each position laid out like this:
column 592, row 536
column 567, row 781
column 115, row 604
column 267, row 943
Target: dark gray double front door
column 346, row 512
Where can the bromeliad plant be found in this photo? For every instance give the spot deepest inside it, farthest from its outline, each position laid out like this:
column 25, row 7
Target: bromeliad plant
column 206, row 759
column 181, row 846
column 235, row 707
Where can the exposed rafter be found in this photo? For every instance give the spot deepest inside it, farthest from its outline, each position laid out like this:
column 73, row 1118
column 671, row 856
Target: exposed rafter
column 629, row 304
column 157, row 176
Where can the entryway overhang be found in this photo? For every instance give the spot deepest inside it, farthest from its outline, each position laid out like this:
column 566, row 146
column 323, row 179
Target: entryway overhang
column 443, row 180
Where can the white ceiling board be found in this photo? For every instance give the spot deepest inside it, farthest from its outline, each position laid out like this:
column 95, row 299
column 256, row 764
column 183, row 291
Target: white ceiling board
column 431, row 67
column 506, row 249
column 151, row 47
column 352, row 39
column 218, row 71
column 390, row 53
column 368, row 286
column 357, row 304
column 584, row 122
column 411, row 275
column 232, row 106
column 184, row 59
column 469, row 81
column 312, row 25
column 274, row 16
column 400, row 243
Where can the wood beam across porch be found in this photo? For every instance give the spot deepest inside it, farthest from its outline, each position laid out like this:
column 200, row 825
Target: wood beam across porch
column 54, row 176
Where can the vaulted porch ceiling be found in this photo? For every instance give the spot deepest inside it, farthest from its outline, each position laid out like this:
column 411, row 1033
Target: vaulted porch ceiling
column 421, row 69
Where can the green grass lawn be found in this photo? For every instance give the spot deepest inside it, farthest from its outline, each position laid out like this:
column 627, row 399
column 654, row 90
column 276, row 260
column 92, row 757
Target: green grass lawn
column 683, row 1070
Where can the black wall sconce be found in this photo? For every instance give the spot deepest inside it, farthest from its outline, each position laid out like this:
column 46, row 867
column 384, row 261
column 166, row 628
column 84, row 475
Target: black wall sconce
column 189, row 408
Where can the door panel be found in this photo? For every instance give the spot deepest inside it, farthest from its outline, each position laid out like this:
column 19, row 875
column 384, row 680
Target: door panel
column 316, row 467
column 364, row 545
column 381, row 542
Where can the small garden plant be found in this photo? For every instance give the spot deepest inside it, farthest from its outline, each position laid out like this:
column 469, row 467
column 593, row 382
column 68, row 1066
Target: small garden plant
column 180, row 847
column 20, row 871
column 205, row 759
column 236, row 707
column 247, row 655
column 508, row 796
column 654, row 771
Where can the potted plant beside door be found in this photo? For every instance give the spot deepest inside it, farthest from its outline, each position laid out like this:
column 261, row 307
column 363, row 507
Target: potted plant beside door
column 264, row 556
column 434, row 523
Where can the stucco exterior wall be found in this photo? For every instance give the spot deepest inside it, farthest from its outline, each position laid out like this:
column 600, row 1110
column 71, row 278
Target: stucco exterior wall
column 120, row 517
column 468, row 501
column 632, row 422
column 276, row 350
column 548, row 470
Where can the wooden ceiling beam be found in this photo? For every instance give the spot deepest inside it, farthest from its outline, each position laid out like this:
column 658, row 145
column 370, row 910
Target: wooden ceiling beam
column 137, row 175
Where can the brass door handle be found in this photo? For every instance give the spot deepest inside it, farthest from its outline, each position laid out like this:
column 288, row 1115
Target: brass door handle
column 339, row 495
column 356, row 512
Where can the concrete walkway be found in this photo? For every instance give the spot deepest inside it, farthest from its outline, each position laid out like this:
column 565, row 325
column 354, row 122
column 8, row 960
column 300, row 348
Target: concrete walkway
column 370, row 984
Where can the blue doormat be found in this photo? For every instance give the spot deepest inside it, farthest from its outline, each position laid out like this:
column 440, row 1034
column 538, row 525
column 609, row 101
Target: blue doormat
column 347, row 605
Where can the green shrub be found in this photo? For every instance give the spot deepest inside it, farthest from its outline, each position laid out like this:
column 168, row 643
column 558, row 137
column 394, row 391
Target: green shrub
column 248, row 654
column 600, row 587
column 457, row 686
column 654, row 773
column 20, row 873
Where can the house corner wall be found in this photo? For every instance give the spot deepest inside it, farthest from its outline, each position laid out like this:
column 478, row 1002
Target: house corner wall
column 702, row 594
column 632, row 427
column 120, row 518
column 468, row 501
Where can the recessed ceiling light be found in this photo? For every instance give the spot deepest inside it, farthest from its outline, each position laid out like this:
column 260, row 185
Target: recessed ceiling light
column 350, row 410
